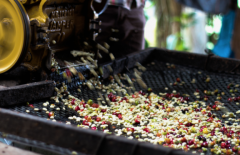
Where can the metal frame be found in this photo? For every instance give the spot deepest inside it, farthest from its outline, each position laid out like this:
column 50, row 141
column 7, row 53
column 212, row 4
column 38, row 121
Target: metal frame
column 205, row 62
column 26, row 93
column 73, row 138
column 98, row 143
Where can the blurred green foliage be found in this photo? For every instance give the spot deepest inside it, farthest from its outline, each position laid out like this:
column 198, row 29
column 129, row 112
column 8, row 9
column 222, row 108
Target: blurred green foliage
column 213, row 33
column 186, row 20
column 147, row 17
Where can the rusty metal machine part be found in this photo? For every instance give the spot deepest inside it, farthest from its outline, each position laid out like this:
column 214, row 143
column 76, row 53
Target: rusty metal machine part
column 47, row 27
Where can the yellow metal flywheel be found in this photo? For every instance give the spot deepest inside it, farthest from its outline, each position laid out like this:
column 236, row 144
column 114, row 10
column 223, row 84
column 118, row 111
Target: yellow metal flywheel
column 14, row 34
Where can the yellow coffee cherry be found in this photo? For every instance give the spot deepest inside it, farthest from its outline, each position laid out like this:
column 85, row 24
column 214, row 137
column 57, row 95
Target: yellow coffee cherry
column 238, row 141
column 205, row 131
column 160, row 142
column 168, row 109
column 193, row 130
